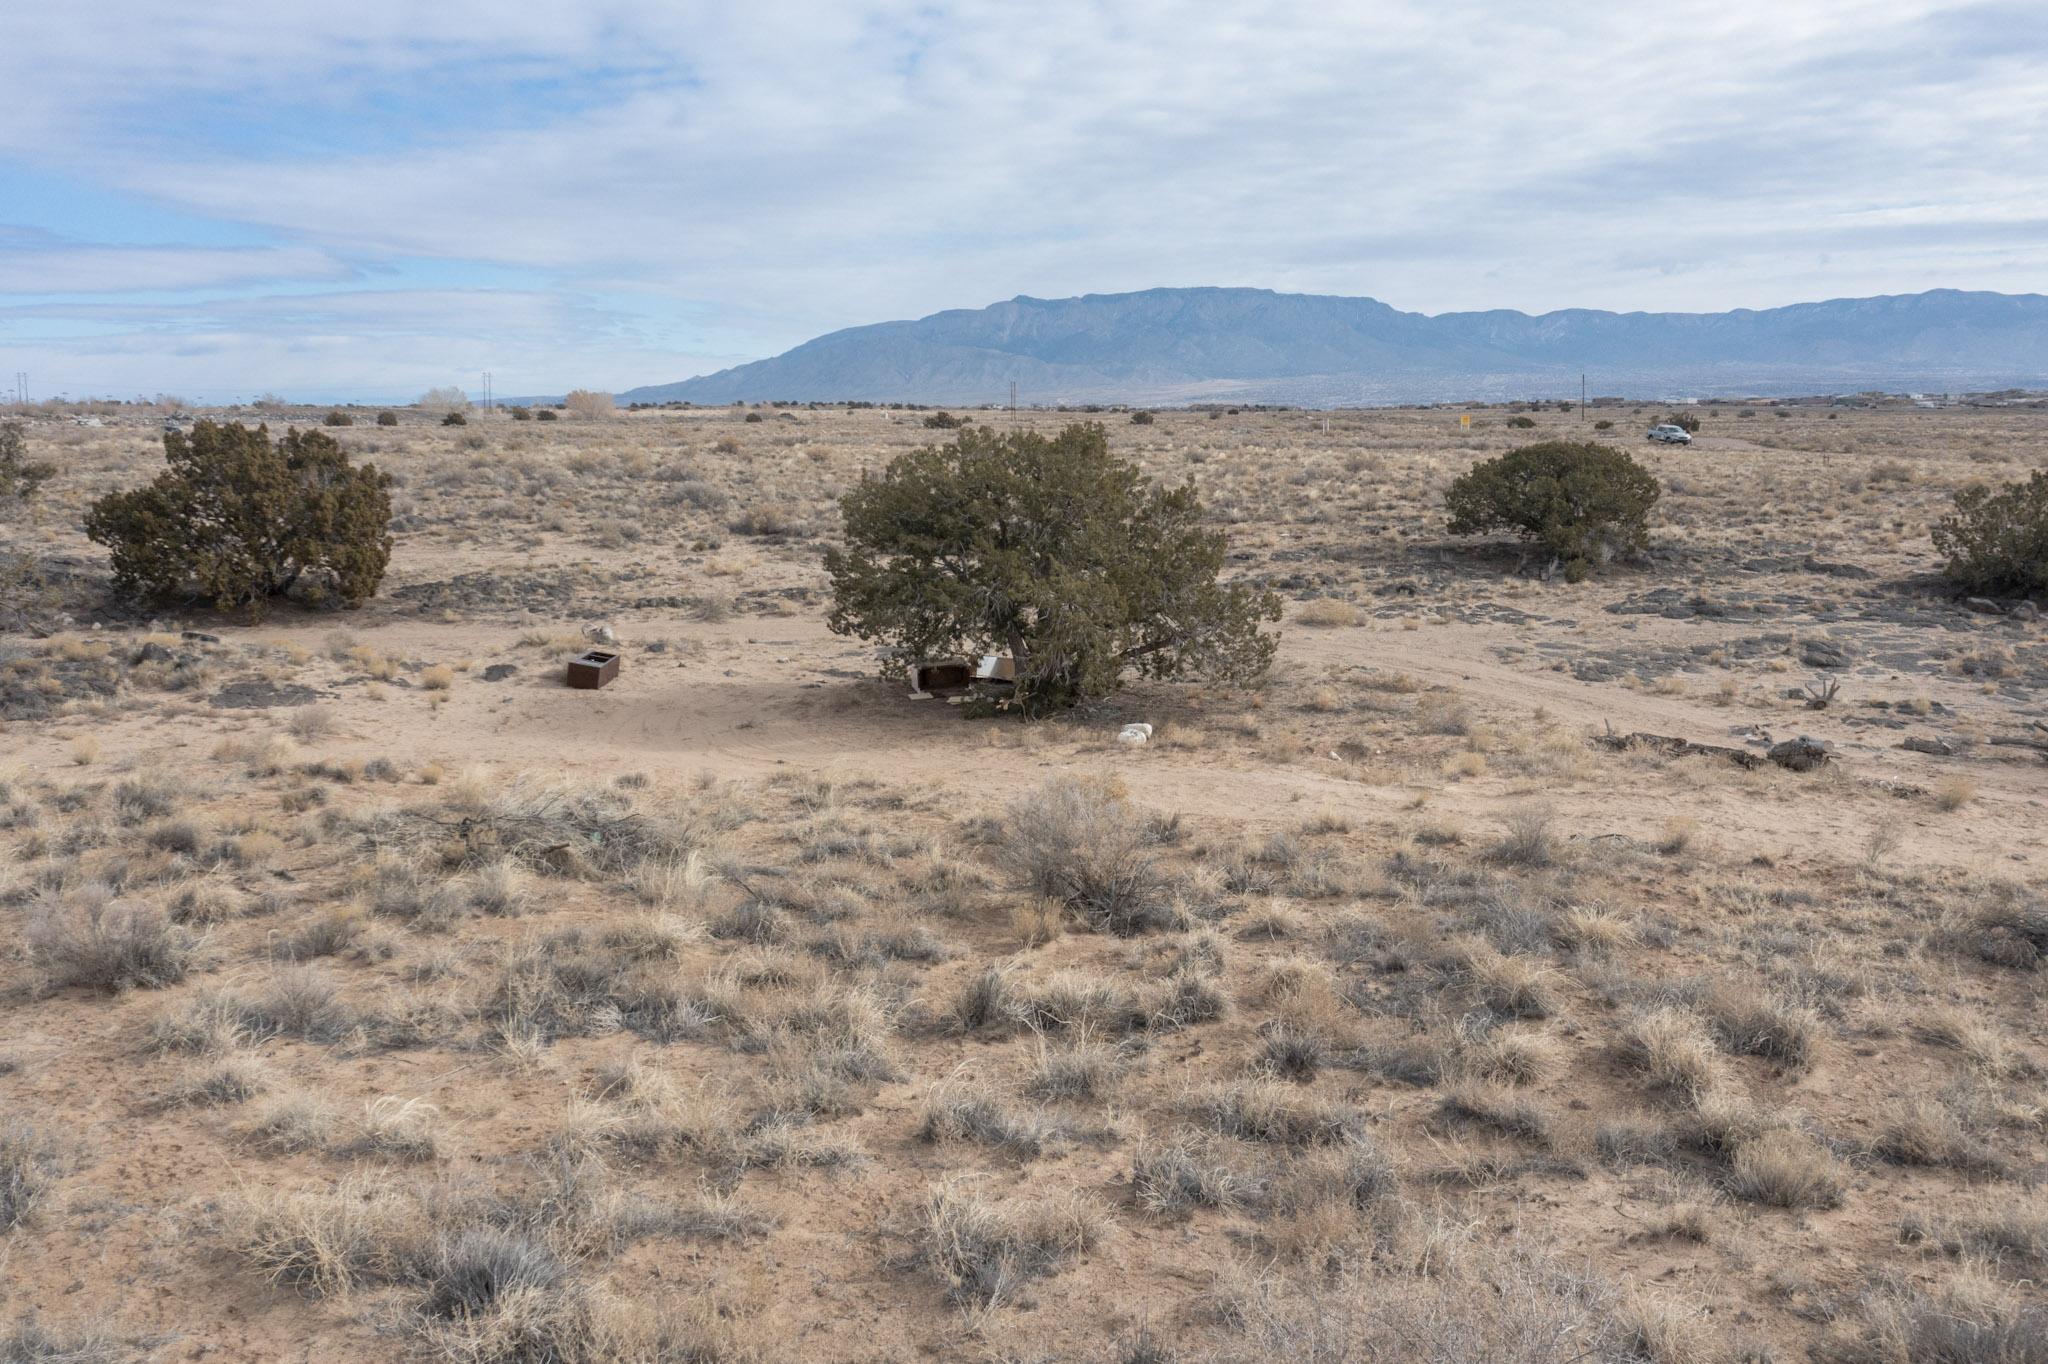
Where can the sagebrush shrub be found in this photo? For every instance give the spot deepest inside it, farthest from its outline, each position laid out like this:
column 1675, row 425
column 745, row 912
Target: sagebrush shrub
column 387, row 419
column 1583, row 503
column 337, row 418
column 238, row 519
column 109, row 945
column 1084, row 848
column 1998, row 541
column 1685, row 421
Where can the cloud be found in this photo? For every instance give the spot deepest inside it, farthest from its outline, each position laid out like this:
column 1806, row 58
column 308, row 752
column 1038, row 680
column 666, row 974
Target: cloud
column 34, row 263
column 716, row 180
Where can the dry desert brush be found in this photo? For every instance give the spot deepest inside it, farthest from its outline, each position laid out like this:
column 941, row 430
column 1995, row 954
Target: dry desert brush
column 1998, row 541
column 1084, row 848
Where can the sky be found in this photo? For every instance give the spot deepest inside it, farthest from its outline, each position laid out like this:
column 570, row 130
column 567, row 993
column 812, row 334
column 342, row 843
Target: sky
column 362, row 201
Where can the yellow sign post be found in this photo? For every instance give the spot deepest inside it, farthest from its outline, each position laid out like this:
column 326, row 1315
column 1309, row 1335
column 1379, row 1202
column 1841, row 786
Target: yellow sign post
column 1465, row 421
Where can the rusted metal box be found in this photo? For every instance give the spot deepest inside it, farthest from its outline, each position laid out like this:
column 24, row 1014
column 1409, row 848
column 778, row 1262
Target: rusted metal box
column 939, row 679
column 593, row 668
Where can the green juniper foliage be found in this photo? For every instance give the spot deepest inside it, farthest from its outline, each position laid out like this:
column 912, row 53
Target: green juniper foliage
column 1998, row 541
column 19, row 476
column 236, row 520
column 1584, row 503
column 1051, row 549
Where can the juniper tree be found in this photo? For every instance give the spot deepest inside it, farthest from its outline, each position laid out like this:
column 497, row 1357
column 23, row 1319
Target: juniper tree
column 1049, row 548
column 237, row 519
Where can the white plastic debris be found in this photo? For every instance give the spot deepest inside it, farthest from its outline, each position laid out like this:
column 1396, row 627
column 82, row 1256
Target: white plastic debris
column 1134, row 734
column 601, row 634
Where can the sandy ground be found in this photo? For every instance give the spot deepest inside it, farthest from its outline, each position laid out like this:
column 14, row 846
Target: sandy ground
column 1871, row 865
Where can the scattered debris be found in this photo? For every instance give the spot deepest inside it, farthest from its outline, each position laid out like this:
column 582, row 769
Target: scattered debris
column 262, row 694
column 498, row 672
column 1801, row 754
column 1673, row 747
column 957, row 677
column 593, row 668
column 1820, row 693
column 1940, row 748
column 1134, row 734
column 601, row 633
column 1824, row 653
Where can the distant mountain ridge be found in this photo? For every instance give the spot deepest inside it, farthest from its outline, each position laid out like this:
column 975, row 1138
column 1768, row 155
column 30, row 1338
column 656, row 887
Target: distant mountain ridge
column 1167, row 346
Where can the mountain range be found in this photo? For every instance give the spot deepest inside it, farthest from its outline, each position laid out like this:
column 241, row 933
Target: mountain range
column 1172, row 346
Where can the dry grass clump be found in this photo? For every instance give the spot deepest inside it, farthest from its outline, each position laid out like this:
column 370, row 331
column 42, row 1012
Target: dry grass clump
column 1489, row 1105
column 1509, row 1304
column 88, row 938
column 1968, row 1318
column 229, row 1079
column 2012, row 931
column 558, row 828
column 1513, row 986
column 1075, row 1066
column 400, row 1129
column 28, row 1341
column 493, row 1276
column 1673, row 1049
column 1953, row 793
column 1530, row 840
column 293, row 1121
column 1787, row 1169
column 1185, row 1171
column 1275, row 1111
column 1593, row 931
column 299, row 1001
column 1509, row 1056
column 1750, row 1023
column 1988, row 1048
column 1327, row 613
column 961, row 1109
column 1927, row 1132
column 2007, row 1231
column 28, row 1168
column 1083, row 847
column 986, row 1251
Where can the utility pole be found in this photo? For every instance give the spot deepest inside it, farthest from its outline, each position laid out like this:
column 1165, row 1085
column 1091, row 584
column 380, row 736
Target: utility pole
column 1582, row 397
column 1013, row 403
column 487, row 390
column 21, row 387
